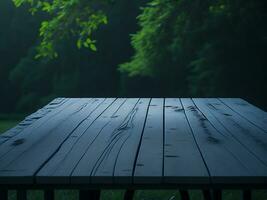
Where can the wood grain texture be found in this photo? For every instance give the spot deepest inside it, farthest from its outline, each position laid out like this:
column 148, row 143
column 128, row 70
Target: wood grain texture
column 253, row 114
column 130, row 135
column 149, row 164
column 33, row 147
column 79, row 149
column 257, row 170
column 138, row 141
column 217, row 149
column 51, row 109
column 58, row 169
column 183, row 162
column 250, row 136
column 96, row 155
column 31, row 129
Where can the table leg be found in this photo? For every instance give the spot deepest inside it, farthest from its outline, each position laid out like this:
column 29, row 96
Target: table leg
column 206, row 194
column 22, row 194
column 49, row 195
column 89, row 194
column 3, row 194
column 217, row 194
column 184, row 195
column 129, row 194
column 246, row 194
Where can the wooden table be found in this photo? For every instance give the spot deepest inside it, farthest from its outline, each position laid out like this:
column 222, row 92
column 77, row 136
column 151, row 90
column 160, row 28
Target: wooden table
column 95, row 143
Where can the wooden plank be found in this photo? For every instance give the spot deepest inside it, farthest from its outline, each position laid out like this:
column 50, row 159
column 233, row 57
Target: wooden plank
column 206, row 194
column 149, row 163
column 117, row 166
column 250, row 136
column 129, row 195
column 49, row 194
column 184, row 195
column 62, row 164
column 217, row 194
column 89, row 194
column 252, row 163
column 247, row 195
column 250, row 112
column 52, row 142
column 59, row 167
column 18, row 164
column 217, row 150
column 51, row 109
column 99, row 150
column 21, row 194
column 183, row 163
column 30, row 130
column 245, row 155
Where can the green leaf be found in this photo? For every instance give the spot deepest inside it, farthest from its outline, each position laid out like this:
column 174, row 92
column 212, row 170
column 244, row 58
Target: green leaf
column 93, row 47
column 105, row 20
column 46, row 7
column 86, row 44
column 88, row 40
column 79, row 43
column 18, row 2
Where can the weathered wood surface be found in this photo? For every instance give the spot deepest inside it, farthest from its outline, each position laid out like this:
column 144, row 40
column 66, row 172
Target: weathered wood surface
column 182, row 158
column 158, row 141
column 149, row 161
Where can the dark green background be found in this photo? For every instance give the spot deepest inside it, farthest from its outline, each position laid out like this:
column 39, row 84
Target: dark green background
column 181, row 49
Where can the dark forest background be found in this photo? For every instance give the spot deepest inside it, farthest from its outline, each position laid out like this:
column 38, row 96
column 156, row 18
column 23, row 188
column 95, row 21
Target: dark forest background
column 158, row 48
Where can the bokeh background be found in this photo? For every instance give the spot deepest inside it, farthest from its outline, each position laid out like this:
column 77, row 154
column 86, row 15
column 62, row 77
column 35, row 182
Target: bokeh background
column 158, row 48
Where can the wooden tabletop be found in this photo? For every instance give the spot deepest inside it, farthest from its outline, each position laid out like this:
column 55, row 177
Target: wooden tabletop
column 131, row 141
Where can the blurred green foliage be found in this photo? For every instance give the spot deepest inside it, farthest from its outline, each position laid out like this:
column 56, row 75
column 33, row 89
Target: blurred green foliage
column 139, row 48
column 73, row 17
column 27, row 83
column 203, row 48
